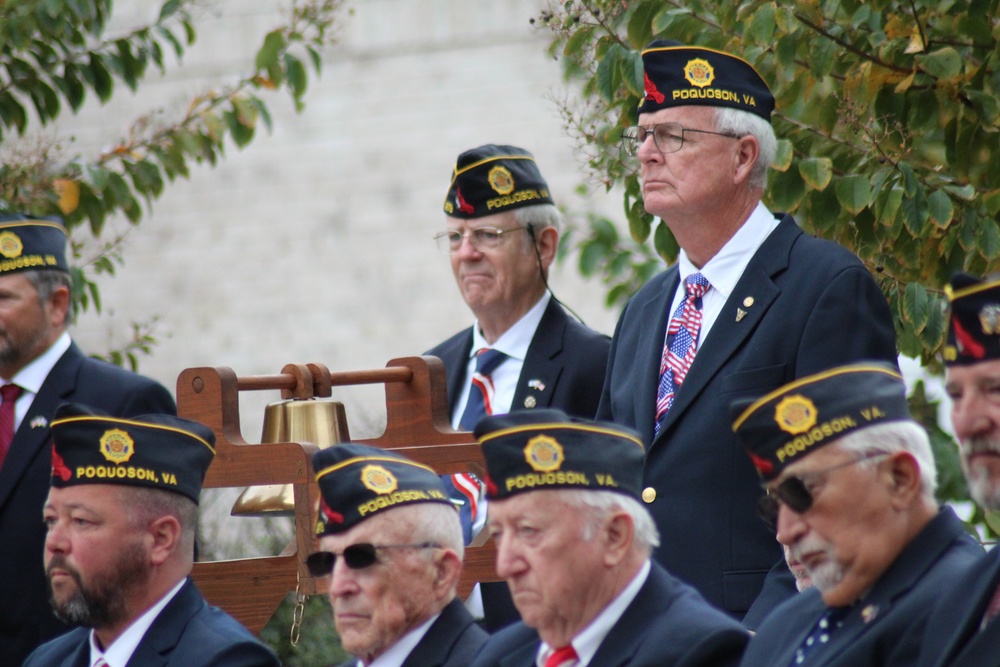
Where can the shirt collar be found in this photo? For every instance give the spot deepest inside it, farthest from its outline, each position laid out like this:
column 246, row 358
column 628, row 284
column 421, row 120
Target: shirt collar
column 589, row 639
column 31, row 377
column 515, row 341
column 399, row 651
column 723, row 271
column 121, row 650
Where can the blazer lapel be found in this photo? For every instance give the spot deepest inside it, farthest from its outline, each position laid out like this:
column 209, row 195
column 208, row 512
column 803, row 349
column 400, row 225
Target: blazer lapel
column 655, row 310
column 728, row 334
column 539, row 374
column 967, row 641
column 165, row 632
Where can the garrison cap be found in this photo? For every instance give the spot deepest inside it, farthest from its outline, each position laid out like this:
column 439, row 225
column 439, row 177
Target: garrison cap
column 490, row 179
column 679, row 75
column 154, row 451
column 794, row 420
column 532, row 450
column 357, row 482
column 974, row 321
column 31, row 243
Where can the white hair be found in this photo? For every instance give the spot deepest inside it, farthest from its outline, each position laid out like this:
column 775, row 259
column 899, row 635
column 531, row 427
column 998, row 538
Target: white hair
column 538, row 216
column 596, row 506
column 741, row 123
column 892, row 437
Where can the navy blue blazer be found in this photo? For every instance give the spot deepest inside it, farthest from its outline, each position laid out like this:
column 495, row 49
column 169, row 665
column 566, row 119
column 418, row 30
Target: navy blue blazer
column 567, row 358
column 26, row 619
column 451, row 641
column 187, row 633
column 808, row 305
column 953, row 638
column 886, row 628
column 668, row 624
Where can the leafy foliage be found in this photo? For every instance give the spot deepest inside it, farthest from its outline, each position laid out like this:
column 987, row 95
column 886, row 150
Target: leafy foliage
column 54, row 53
column 888, row 118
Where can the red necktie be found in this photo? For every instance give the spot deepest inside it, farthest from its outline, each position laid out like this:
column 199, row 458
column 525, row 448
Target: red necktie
column 682, row 343
column 100, row 663
column 481, row 393
column 8, row 396
column 561, row 656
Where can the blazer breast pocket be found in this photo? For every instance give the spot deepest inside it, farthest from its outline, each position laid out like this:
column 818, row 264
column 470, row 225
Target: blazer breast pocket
column 754, row 382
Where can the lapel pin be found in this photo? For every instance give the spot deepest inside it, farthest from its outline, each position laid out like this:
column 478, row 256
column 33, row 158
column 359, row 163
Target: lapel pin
column 530, row 402
column 869, row 613
column 748, row 301
column 39, row 422
column 536, row 384
column 740, row 314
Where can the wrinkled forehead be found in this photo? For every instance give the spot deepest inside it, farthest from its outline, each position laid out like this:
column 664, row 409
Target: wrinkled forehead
column 688, row 116
column 983, row 373
column 387, row 527
column 501, row 220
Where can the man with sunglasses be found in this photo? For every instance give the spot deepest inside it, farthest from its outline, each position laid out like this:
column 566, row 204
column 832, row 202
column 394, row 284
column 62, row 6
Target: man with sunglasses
column 963, row 630
column 574, row 541
column 524, row 351
column 849, row 480
column 391, row 543
column 120, row 519
column 753, row 302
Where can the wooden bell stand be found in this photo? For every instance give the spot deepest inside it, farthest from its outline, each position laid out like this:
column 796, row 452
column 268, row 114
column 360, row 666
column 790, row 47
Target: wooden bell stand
column 417, row 426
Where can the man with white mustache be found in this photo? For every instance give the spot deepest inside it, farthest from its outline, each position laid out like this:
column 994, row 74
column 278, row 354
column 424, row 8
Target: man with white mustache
column 962, row 630
column 849, row 479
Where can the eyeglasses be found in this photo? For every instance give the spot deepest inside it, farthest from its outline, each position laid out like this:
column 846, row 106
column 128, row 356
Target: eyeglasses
column 356, row 556
column 668, row 137
column 485, row 237
column 795, row 493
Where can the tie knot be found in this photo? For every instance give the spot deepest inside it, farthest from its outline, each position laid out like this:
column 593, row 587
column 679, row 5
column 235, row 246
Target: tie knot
column 10, row 392
column 487, row 359
column 561, row 655
column 696, row 285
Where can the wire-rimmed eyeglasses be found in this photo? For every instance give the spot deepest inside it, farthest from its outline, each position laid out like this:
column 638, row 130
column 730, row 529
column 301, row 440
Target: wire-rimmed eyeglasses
column 794, row 491
column 482, row 238
column 668, row 137
column 356, row 556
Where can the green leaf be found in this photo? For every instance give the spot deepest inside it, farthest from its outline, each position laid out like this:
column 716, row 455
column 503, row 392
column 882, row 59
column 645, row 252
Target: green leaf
column 632, row 73
column 915, row 305
column 915, row 213
column 665, row 243
column 853, row 193
column 297, row 78
column 274, row 44
column 100, row 77
column 169, row 9
column 944, row 63
column 988, row 240
column 783, row 156
column 640, row 26
column 607, row 73
column 786, row 190
column 940, row 208
column 817, row 172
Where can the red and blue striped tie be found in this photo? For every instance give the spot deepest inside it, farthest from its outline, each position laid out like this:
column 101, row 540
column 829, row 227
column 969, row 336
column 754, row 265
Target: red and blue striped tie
column 682, row 344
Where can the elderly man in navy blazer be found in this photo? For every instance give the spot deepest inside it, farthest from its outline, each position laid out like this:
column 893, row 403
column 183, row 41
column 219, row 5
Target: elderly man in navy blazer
column 574, row 541
column 850, row 481
column 524, row 351
column 121, row 519
column 963, row 630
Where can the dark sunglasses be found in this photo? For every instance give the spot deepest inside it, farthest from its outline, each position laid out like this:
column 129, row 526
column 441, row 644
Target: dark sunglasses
column 794, row 491
column 356, row 556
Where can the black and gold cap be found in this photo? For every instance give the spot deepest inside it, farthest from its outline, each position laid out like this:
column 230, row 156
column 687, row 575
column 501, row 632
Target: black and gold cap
column 974, row 320
column 532, row 450
column 31, row 243
column 679, row 75
column 156, row 451
column 798, row 418
column 357, row 482
column 491, row 179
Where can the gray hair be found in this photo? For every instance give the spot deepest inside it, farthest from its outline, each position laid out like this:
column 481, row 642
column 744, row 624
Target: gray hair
column 892, row 437
column 432, row 522
column 145, row 505
column 47, row 281
column 538, row 216
column 741, row 123
column 596, row 506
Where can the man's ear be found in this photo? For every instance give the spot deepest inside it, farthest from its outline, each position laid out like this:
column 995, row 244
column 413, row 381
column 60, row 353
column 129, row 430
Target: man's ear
column 619, row 535
column 746, row 156
column 57, row 306
column 547, row 241
column 902, row 474
column 165, row 537
column 447, row 570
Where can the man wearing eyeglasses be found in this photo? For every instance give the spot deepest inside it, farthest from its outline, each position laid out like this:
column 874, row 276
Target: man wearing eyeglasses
column 574, row 541
column 753, row 302
column 849, row 480
column 120, row 519
column 391, row 543
column 524, row 351
column 963, row 630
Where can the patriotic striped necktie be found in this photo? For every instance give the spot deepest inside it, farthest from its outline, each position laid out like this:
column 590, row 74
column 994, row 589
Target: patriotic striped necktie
column 681, row 346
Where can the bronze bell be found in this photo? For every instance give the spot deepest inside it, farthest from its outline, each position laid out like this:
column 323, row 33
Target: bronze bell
column 321, row 422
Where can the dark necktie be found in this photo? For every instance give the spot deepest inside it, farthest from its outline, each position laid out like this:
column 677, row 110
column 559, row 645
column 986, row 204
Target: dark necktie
column 820, row 635
column 681, row 345
column 481, row 393
column 8, row 396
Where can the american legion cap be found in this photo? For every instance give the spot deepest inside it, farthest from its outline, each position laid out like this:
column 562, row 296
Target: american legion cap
column 792, row 421
column 491, row 178
column 31, row 243
column 357, row 482
column 679, row 75
column 154, row 451
column 532, row 450
column 974, row 320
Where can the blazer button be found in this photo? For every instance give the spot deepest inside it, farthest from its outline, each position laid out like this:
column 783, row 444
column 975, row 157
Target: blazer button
column 649, row 494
